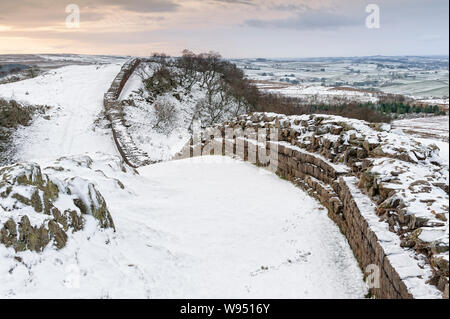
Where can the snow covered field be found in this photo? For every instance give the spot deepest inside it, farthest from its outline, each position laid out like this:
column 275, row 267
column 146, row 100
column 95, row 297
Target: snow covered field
column 318, row 93
column 222, row 228
column 423, row 77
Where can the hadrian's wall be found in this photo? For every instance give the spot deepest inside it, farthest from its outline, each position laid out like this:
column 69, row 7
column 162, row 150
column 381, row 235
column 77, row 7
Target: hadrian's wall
column 132, row 155
column 340, row 162
column 387, row 193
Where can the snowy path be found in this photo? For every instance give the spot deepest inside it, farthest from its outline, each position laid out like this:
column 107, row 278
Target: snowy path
column 226, row 221
column 75, row 94
column 218, row 229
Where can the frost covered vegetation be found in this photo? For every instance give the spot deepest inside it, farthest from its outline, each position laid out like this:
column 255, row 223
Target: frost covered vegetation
column 217, row 88
column 17, row 72
column 166, row 97
column 12, row 116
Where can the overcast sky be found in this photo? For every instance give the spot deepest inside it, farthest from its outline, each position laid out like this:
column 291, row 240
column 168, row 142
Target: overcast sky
column 235, row 28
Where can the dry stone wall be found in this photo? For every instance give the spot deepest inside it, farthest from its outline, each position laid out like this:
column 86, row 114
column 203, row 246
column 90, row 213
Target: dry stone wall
column 131, row 154
column 332, row 158
column 388, row 194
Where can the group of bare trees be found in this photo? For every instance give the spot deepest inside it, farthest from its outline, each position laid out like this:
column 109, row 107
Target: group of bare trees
column 227, row 92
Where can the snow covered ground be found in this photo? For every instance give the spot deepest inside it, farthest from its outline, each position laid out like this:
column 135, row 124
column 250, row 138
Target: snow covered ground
column 163, row 136
column 222, row 228
column 423, row 77
column 75, row 94
column 434, row 127
column 210, row 227
column 159, row 144
column 428, row 130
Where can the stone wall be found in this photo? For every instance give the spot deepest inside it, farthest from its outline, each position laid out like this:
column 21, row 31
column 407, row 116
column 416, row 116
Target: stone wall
column 132, row 155
column 335, row 185
column 353, row 168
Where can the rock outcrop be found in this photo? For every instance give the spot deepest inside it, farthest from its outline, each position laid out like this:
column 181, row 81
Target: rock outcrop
column 37, row 207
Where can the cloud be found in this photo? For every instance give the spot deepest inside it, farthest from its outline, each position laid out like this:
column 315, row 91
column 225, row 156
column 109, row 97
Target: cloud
column 290, row 7
column 21, row 14
column 136, row 25
column 18, row 6
column 309, row 20
column 143, row 5
column 246, row 2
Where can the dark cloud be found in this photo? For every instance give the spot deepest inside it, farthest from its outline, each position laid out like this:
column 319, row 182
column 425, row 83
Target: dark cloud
column 309, row 20
column 18, row 6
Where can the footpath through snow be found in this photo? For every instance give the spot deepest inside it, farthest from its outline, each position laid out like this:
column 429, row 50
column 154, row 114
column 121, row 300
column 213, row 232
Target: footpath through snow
column 206, row 228
column 75, row 95
column 198, row 228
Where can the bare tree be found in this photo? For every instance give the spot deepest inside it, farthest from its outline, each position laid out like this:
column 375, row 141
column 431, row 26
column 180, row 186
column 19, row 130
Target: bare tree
column 165, row 116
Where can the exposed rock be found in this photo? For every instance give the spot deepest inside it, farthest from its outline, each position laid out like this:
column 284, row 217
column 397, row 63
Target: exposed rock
column 29, row 217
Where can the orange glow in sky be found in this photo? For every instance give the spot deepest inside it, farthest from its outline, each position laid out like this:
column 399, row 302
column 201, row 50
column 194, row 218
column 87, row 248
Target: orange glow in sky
column 236, row 28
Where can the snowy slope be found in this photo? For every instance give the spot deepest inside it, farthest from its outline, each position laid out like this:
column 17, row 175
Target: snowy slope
column 428, row 130
column 159, row 145
column 199, row 228
column 162, row 139
column 433, row 127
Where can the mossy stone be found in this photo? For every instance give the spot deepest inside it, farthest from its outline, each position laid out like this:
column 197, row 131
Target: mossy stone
column 36, row 201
